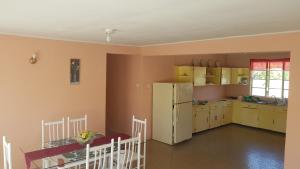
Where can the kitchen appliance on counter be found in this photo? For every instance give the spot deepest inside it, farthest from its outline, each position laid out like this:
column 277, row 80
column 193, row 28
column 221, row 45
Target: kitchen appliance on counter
column 172, row 112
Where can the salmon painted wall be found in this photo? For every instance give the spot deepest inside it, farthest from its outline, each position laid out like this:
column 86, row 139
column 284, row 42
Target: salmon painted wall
column 265, row 43
column 243, row 60
column 31, row 93
column 123, row 92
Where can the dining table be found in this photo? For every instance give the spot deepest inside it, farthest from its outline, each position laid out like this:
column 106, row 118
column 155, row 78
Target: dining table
column 64, row 151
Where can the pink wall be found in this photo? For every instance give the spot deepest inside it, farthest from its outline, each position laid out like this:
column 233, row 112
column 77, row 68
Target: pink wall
column 123, row 92
column 30, row 93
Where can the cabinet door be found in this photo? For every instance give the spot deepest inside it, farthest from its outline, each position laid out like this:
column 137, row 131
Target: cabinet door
column 236, row 113
column 280, row 121
column 239, row 75
column 234, row 76
column 227, row 112
column 265, row 119
column 184, row 73
column 202, row 122
column 221, row 116
column 199, row 76
column 249, row 117
column 194, row 120
column 226, row 76
column 213, row 118
column 213, row 76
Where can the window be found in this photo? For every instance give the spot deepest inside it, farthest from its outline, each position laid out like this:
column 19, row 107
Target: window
column 270, row 77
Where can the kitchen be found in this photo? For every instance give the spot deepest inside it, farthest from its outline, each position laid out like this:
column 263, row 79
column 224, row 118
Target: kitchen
column 247, row 89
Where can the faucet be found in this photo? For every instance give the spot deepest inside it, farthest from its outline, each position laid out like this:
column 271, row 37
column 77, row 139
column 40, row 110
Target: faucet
column 275, row 98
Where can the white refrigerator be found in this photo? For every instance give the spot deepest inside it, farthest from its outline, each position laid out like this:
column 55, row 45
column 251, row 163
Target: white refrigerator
column 172, row 112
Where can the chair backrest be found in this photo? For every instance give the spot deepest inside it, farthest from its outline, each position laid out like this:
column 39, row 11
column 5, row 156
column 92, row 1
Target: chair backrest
column 55, row 131
column 7, row 154
column 100, row 157
column 76, row 126
column 139, row 126
column 126, row 151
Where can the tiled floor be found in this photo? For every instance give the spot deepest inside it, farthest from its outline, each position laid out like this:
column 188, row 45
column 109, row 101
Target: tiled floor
column 227, row 147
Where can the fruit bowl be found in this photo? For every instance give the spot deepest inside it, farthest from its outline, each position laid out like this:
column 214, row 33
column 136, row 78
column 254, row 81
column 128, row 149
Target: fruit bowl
column 85, row 137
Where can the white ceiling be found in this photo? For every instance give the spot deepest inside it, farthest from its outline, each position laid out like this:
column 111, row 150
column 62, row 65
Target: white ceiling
column 144, row 22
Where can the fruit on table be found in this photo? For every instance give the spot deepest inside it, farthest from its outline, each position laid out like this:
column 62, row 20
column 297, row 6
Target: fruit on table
column 84, row 135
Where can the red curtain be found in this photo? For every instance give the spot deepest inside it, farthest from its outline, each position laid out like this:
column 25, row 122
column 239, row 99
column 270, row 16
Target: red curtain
column 258, row 64
column 273, row 64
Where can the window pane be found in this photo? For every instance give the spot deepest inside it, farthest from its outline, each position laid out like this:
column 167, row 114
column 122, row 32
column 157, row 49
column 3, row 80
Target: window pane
column 259, row 83
column 258, row 92
column 259, row 75
column 286, row 94
column 275, row 84
column 286, row 84
column 276, row 75
column 275, row 92
column 286, row 75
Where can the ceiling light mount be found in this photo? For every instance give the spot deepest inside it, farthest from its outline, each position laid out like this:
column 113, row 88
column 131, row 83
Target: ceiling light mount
column 34, row 58
column 108, row 33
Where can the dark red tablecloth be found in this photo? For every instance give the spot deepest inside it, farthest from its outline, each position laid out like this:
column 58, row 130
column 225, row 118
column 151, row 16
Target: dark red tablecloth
column 49, row 152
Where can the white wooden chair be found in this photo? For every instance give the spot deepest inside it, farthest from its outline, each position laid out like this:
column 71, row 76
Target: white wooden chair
column 52, row 131
column 77, row 126
column 100, row 157
column 7, row 154
column 140, row 126
column 128, row 153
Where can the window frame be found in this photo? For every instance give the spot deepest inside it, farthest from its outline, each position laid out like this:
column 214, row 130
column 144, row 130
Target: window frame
column 268, row 76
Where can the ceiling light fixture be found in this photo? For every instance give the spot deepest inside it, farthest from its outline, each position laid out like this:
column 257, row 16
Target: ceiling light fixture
column 108, row 33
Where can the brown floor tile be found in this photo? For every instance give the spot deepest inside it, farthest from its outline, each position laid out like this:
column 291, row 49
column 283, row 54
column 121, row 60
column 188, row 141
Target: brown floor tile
column 227, row 147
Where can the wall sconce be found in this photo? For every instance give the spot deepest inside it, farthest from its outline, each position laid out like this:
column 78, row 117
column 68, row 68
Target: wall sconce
column 33, row 59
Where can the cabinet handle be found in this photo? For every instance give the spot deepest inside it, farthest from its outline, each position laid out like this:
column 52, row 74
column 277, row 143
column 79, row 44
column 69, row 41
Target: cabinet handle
column 273, row 121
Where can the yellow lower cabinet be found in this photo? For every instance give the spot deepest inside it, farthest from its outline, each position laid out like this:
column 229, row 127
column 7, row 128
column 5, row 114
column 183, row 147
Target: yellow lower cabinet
column 202, row 122
column 194, row 120
column 213, row 118
column 249, row 117
column 200, row 118
column 265, row 120
column 280, row 118
column 227, row 115
column 216, row 116
column 236, row 115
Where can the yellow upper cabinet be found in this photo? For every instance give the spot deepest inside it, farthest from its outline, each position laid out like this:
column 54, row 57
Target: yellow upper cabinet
column 199, row 76
column 184, row 73
column 226, row 76
column 213, row 75
column 240, row 76
column 202, row 76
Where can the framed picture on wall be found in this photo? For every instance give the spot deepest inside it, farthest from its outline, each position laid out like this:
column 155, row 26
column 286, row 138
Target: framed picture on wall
column 75, row 71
